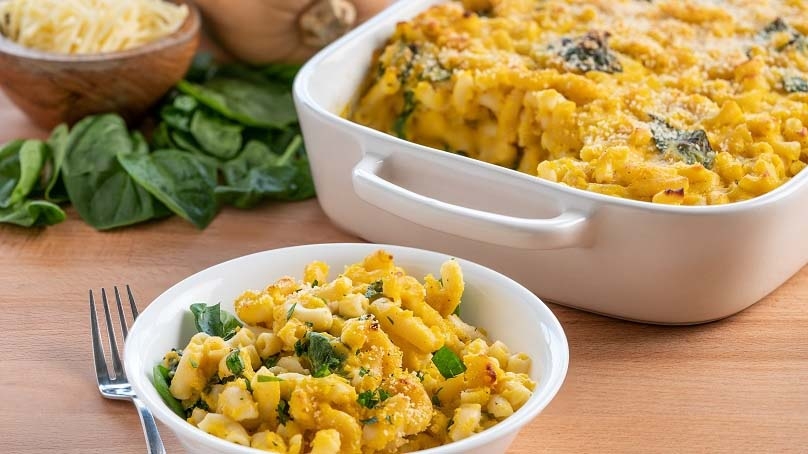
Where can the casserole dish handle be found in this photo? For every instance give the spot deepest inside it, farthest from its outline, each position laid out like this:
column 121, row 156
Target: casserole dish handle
column 563, row 231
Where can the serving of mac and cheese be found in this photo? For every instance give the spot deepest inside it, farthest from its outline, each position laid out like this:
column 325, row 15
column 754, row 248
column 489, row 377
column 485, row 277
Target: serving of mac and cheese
column 689, row 102
column 371, row 361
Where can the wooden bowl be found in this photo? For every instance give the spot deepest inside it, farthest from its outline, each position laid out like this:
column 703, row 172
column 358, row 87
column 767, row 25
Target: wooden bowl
column 55, row 88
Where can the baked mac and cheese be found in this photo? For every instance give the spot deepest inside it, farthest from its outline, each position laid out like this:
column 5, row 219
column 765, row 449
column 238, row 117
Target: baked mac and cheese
column 371, row 361
column 692, row 102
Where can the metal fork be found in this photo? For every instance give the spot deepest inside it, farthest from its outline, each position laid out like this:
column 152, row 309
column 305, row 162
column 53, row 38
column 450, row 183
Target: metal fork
column 118, row 387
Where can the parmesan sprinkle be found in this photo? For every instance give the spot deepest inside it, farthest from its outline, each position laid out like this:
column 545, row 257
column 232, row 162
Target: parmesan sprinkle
column 88, row 26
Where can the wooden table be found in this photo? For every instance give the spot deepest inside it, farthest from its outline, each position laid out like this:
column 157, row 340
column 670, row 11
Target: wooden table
column 737, row 385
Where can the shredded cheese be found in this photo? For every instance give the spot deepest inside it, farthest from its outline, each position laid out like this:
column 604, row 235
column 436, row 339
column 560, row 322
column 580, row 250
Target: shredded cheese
column 88, row 26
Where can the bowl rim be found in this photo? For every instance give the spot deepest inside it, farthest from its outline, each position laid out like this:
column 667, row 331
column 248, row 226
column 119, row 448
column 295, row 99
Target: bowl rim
column 551, row 384
column 371, row 30
column 188, row 30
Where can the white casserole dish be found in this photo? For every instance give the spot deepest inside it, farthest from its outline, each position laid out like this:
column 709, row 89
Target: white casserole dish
column 623, row 258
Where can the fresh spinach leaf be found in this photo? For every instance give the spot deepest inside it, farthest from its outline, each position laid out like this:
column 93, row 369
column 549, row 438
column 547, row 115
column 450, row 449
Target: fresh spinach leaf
column 185, row 103
column 218, row 136
column 176, row 118
column 261, row 182
column 262, row 105
column 160, row 380
column 32, row 213
column 177, row 179
column 139, row 144
column 102, row 192
column 20, row 164
column 55, row 189
column 202, row 67
column 110, row 199
column 447, row 362
column 33, row 154
column 281, row 72
column 161, row 137
column 214, row 321
column 255, row 154
column 258, row 174
column 93, row 144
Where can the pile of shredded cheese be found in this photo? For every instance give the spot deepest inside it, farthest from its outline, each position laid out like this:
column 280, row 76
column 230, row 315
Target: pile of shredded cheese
column 88, row 26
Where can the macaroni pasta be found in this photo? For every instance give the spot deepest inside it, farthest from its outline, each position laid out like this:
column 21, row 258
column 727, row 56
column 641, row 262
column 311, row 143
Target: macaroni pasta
column 372, row 361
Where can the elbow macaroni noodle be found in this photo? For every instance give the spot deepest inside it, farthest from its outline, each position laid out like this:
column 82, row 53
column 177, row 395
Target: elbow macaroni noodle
column 669, row 101
column 386, row 395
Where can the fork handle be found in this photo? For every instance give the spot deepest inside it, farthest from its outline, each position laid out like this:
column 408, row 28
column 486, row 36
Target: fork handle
column 154, row 445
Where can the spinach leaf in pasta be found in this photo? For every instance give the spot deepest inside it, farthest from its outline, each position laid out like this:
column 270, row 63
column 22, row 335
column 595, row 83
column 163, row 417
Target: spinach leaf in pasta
column 447, row 362
column 160, row 378
column 214, row 321
column 795, row 84
column 689, row 146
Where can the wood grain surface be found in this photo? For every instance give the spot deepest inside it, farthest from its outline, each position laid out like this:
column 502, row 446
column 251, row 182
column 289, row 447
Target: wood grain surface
column 738, row 385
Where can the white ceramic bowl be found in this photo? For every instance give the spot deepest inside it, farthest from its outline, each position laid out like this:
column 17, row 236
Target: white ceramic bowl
column 508, row 311
column 619, row 257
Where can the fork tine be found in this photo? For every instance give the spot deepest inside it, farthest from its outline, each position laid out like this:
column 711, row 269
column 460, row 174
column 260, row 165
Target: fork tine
column 120, row 313
column 101, row 370
column 132, row 302
column 113, row 344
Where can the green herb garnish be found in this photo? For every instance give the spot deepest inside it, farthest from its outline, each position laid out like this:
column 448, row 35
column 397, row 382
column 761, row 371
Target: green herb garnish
column 447, row 362
column 271, row 361
column 283, row 412
column 371, row 398
column 268, row 378
column 371, row 420
column 291, row 311
column 234, row 362
column 324, row 360
column 374, row 291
